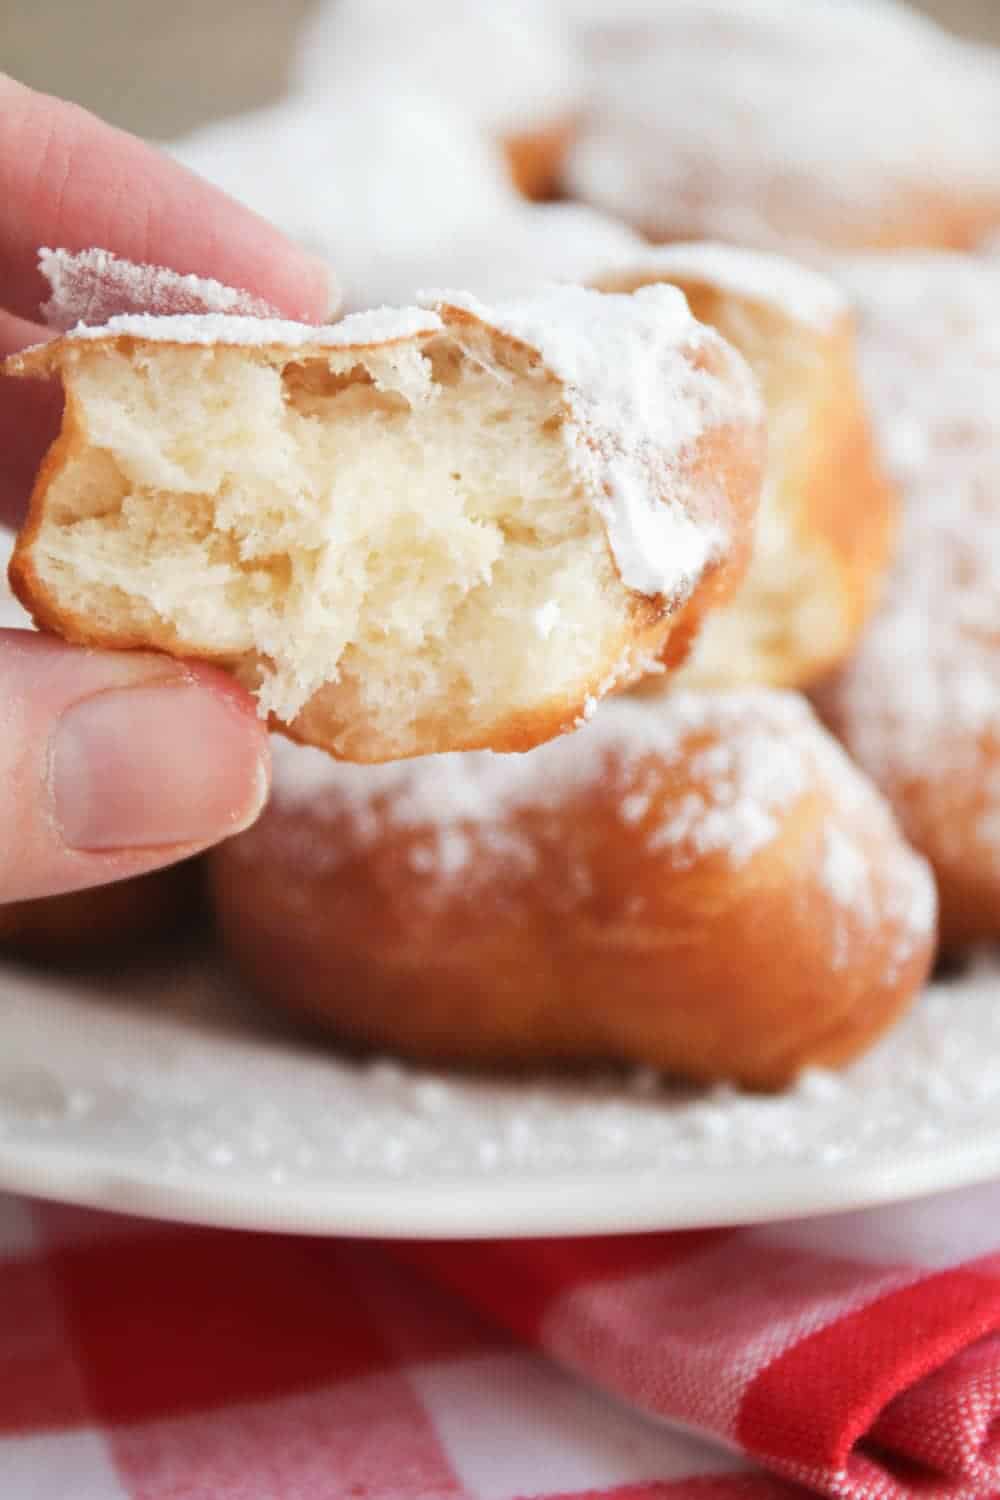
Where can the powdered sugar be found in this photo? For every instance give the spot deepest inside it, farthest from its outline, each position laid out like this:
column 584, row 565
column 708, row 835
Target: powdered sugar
column 798, row 292
column 176, row 1093
column 379, row 326
column 93, row 286
column 747, row 757
column 748, row 779
column 637, row 407
column 921, row 701
column 525, row 247
column 371, row 188
column 846, row 873
column 760, row 767
column 371, row 185
column 504, row 66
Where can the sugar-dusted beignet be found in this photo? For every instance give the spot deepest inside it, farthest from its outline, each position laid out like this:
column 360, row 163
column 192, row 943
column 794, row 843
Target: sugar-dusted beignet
column 441, row 528
column 796, row 125
column 508, row 68
column 827, row 517
column 703, row 883
column 918, row 705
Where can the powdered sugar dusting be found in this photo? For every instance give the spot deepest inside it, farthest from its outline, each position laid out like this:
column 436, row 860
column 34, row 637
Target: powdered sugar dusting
column 637, row 408
column 746, row 758
column 760, row 764
column 846, row 873
column 379, row 326
column 508, row 65
column 921, row 700
column 368, row 183
column 170, row 1078
column 778, row 124
column 93, row 286
column 800, row 293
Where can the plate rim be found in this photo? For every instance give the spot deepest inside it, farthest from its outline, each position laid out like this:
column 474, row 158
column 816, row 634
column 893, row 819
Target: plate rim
column 470, row 1209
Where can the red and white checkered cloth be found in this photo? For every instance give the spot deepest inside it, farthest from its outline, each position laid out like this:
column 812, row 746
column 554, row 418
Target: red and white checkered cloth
column 857, row 1357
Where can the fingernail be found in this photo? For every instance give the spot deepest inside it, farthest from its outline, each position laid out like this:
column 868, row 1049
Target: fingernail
column 329, row 298
column 334, row 291
column 151, row 766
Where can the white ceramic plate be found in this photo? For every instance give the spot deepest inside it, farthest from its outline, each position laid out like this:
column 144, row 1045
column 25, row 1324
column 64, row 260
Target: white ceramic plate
column 165, row 1091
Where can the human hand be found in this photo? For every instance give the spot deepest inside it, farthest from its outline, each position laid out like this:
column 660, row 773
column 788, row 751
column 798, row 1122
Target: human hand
column 114, row 763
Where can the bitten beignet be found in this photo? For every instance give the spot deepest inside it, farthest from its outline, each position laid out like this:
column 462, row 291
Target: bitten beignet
column 446, row 527
column 827, row 518
column 703, row 883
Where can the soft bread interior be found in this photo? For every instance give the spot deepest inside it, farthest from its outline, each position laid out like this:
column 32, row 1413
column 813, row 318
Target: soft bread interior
column 380, row 539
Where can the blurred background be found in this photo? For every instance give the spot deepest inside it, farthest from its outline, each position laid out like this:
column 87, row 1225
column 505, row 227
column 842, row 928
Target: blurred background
column 161, row 69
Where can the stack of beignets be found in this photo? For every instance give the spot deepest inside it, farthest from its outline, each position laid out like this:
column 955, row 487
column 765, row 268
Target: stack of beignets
column 629, row 872
column 624, row 894
column 459, row 528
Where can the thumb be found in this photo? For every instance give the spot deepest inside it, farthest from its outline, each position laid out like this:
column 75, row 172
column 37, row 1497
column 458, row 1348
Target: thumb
column 115, row 763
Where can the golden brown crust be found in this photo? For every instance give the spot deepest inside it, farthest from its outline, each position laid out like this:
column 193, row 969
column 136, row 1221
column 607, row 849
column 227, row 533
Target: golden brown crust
column 535, row 157
column 916, row 220
column 103, row 920
column 851, row 507
column 590, row 941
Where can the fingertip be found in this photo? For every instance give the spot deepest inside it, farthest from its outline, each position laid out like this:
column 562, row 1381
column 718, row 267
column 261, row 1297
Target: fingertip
column 250, row 253
column 173, row 762
column 225, row 688
column 240, row 701
column 297, row 283
column 81, row 184
column 116, row 763
column 324, row 296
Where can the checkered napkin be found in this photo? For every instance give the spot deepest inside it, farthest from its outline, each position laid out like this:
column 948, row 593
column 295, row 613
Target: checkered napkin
column 856, row 1357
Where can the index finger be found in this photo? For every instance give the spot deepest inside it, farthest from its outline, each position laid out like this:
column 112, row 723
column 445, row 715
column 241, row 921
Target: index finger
column 67, row 179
